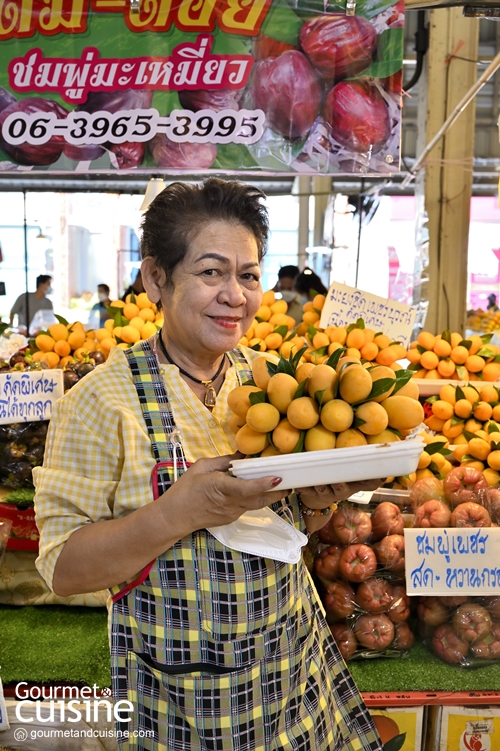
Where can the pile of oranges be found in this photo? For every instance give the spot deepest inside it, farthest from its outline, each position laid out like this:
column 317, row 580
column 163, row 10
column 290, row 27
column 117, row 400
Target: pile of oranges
column 482, row 320
column 65, row 343
column 450, row 356
column 299, row 406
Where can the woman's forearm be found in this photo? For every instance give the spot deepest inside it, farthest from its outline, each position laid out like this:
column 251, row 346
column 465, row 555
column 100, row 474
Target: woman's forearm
column 103, row 554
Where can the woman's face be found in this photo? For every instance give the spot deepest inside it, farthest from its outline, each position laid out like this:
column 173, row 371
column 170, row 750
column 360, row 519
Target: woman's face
column 216, row 290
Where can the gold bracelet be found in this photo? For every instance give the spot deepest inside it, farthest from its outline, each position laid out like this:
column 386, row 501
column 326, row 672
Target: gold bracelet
column 307, row 511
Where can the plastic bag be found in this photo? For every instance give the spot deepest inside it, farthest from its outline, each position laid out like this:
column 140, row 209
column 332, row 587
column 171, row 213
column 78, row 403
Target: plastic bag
column 359, row 567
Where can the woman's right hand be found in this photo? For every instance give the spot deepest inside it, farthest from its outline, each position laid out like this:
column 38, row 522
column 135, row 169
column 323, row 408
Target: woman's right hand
column 208, row 497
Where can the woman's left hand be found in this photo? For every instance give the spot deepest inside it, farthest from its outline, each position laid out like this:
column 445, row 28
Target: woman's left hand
column 324, row 495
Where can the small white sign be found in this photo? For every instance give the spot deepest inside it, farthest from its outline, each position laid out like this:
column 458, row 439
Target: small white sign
column 4, row 720
column 452, row 561
column 344, row 305
column 28, row 397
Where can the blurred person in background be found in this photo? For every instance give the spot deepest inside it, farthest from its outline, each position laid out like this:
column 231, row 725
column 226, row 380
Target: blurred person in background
column 492, row 302
column 308, row 285
column 286, row 279
column 36, row 301
column 103, row 304
column 136, row 287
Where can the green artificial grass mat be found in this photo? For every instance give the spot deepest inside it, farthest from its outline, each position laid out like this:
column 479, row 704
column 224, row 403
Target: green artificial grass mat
column 421, row 671
column 45, row 644
column 58, row 643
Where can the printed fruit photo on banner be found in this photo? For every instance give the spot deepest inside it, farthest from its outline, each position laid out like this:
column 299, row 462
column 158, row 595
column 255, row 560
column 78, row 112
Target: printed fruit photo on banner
column 278, row 86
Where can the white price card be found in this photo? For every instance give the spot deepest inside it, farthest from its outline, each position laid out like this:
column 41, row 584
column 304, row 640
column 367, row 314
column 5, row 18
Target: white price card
column 28, row 397
column 448, row 561
column 4, row 720
column 344, row 305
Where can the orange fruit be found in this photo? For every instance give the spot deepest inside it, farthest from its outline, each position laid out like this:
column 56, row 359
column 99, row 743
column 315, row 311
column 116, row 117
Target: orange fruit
column 442, row 348
column 65, row 361
column 491, row 371
column 369, row 351
column 38, row 356
column 459, row 355
column 387, row 356
column 382, row 341
column 108, row 344
column 58, row 331
column 387, row 728
column 142, row 301
column 307, row 306
column 76, row 339
column 45, row 342
column 130, row 310
column 280, row 306
column 109, row 324
column 413, row 355
column 62, row 348
column 310, row 316
column 474, row 363
column 426, row 340
column 129, row 334
column 446, row 368
column 477, row 343
column 117, row 304
column 137, row 323
column 51, row 359
column 429, row 360
column 146, row 313
column 149, row 329
column 264, row 313
column 356, row 338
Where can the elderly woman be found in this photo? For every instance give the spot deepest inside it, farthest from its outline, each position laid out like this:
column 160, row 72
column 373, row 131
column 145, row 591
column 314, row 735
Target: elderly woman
column 216, row 649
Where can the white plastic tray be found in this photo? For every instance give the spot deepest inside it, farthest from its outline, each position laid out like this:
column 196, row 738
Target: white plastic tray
column 311, row 468
column 430, row 387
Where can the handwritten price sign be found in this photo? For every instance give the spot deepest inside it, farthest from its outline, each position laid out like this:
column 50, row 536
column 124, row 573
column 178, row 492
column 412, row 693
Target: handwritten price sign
column 452, row 561
column 344, row 305
column 28, row 397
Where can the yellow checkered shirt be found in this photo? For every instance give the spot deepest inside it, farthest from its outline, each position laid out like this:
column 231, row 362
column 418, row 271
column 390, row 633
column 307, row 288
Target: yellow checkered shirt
column 98, row 459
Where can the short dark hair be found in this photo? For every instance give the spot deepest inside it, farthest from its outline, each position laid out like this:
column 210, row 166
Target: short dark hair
column 307, row 280
column 42, row 279
column 180, row 211
column 288, row 272
column 104, row 287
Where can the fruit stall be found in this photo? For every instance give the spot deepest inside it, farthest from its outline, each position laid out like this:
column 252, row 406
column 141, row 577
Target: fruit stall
column 346, row 393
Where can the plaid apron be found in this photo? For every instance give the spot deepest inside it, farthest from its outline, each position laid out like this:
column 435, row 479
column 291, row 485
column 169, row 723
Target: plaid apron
column 219, row 650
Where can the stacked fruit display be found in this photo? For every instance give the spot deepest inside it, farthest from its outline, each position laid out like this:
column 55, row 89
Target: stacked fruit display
column 272, row 327
column 481, row 320
column 450, row 356
column 360, row 573
column 297, row 406
column 460, row 630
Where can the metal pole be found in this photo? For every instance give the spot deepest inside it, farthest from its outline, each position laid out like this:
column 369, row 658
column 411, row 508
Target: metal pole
column 27, row 304
column 360, row 211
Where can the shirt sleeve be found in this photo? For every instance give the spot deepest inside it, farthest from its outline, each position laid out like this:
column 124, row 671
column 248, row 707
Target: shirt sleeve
column 17, row 307
column 75, row 486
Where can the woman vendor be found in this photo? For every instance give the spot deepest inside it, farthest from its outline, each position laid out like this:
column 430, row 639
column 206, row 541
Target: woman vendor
column 216, row 649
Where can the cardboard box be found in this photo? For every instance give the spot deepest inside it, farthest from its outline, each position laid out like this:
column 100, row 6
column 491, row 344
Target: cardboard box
column 410, row 720
column 464, row 729
column 24, row 534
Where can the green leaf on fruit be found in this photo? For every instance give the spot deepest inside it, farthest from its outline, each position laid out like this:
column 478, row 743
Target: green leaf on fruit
column 250, row 382
column 413, row 367
column 485, row 352
column 282, row 23
column 260, row 320
column 272, row 368
column 486, row 338
column 473, row 387
column 281, row 330
column 318, row 395
column 402, row 378
column 459, row 394
column 465, row 343
column 435, row 448
column 395, row 344
column 360, row 324
column 255, row 347
column 434, row 468
column 421, row 349
column 358, row 422
column 461, row 372
column 301, row 389
column 300, row 445
column 494, row 446
column 396, row 432
column 467, row 458
column 389, row 56
column 61, row 319
column 320, row 352
column 496, row 358
column 396, row 743
column 432, row 399
column 334, row 358
column 457, row 420
column 257, row 397
column 469, row 435
column 446, row 335
column 312, row 331
column 493, row 428
column 380, row 387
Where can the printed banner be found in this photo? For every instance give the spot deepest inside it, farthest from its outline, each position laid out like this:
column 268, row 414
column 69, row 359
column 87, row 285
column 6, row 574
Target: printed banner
column 344, row 305
column 243, row 86
column 28, row 397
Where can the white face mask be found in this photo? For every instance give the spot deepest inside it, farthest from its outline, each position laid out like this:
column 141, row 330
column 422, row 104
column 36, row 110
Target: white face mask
column 49, row 291
column 262, row 532
column 288, row 295
column 102, row 296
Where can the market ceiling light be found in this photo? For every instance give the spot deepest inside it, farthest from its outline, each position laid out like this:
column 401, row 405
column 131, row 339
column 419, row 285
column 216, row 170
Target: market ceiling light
column 155, row 186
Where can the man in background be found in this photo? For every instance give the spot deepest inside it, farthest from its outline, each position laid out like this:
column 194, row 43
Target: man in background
column 286, row 280
column 103, row 304
column 36, row 301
